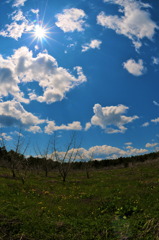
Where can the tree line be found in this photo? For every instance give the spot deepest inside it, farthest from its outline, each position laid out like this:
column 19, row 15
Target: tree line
column 51, row 158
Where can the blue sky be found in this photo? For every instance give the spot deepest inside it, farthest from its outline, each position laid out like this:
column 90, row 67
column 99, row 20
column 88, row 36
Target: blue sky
column 86, row 66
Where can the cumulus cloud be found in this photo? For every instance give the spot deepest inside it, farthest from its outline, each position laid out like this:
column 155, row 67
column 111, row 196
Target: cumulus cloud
column 105, row 152
column 21, row 67
column 52, row 127
column 135, row 22
column 135, row 68
column 16, row 28
column 150, row 145
column 12, row 113
column 92, row 45
column 109, row 117
column 71, row 20
column 9, row 80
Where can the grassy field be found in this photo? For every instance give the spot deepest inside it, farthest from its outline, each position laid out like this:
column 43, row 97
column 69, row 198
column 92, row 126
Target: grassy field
column 112, row 204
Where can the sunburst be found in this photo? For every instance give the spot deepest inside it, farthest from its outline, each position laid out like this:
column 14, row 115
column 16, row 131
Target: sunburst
column 40, row 32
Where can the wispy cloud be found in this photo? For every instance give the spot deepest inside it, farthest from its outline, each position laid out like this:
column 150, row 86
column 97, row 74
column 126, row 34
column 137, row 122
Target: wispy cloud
column 146, row 124
column 5, row 136
column 155, row 60
column 128, row 143
column 156, row 103
column 87, row 126
column 150, row 145
column 92, row 45
column 156, row 120
column 19, row 3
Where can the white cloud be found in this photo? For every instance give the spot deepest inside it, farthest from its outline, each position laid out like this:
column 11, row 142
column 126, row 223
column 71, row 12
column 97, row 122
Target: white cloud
column 156, row 103
column 17, row 133
column 156, row 120
column 109, row 117
column 155, row 60
column 128, row 143
column 135, row 22
column 4, row 136
column 146, row 124
column 135, row 151
column 35, row 11
column 18, row 16
column 52, row 127
column 135, row 68
column 71, row 19
column 129, row 147
column 92, row 45
column 88, row 126
column 106, row 152
column 150, row 145
column 19, row 3
column 16, row 28
column 21, row 67
column 55, row 81
column 34, row 129
column 9, row 80
column 12, row 113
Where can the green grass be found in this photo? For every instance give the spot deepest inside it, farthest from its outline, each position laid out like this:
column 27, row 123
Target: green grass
column 112, row 204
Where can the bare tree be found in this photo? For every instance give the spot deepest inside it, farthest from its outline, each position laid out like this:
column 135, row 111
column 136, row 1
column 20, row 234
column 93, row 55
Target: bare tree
column 3, row 151
column 45, row 155
column 67, row 157
column 87, row 160
column 15, row 157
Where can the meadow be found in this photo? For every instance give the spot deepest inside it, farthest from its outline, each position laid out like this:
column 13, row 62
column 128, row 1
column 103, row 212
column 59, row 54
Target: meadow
column 112, row 204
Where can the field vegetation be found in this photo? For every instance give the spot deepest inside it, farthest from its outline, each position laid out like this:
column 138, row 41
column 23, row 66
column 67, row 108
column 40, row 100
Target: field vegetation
column 115, row 202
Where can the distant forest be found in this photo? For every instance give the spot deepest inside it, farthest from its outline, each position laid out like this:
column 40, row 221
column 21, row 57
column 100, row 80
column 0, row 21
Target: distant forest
column 16, row 161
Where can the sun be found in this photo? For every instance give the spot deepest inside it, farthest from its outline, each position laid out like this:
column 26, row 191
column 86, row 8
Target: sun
column 40, row 32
